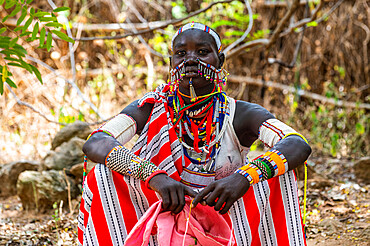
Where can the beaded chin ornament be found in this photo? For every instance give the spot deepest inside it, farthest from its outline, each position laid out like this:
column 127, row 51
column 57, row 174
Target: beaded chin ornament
column 208, row 71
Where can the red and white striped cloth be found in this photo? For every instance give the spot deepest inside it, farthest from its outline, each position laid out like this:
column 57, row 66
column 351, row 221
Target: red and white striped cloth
column 268, row 214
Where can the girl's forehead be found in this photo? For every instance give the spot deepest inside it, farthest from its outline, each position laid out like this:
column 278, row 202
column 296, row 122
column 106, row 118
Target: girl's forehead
column 196, row 36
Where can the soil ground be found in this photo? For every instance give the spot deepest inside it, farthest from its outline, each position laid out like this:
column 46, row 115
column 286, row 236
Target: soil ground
column 337, row 213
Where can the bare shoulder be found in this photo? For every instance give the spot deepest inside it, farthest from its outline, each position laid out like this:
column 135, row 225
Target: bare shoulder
column 139, row 114
column 247, row 120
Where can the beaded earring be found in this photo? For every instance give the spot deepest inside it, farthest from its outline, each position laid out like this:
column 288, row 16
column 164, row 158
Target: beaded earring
column 176, row 74
column 217, row 76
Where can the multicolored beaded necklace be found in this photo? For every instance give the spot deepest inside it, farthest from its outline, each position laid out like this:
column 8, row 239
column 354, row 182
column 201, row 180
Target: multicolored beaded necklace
column 203, row 118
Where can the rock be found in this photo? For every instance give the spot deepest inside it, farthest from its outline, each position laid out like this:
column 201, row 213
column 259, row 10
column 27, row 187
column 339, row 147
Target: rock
column 9, row 175
column 67, row 155
column 366, row 234
column 362, row 169
column 330, row 226
column 77, row 129
column 77, row 171
column 320, row 183
column 40, row 190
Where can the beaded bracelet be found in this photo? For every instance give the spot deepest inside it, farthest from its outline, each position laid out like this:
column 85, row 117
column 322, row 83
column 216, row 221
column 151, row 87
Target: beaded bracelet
column 85, row 157
column 123, row 161
column 272, row 163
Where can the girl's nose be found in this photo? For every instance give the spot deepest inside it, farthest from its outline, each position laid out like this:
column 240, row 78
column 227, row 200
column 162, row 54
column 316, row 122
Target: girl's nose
column 191, row 59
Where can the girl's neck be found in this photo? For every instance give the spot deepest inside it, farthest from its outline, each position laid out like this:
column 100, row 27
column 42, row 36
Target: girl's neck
column 184, row 92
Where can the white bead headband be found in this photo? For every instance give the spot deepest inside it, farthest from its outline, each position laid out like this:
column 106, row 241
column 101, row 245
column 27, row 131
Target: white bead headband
column 199, row 26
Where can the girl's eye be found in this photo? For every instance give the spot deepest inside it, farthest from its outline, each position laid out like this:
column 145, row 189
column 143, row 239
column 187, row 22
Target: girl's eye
column 203, row 52
column 180, row 52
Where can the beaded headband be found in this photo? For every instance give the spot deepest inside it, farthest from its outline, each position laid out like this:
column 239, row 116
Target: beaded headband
column 199, row 26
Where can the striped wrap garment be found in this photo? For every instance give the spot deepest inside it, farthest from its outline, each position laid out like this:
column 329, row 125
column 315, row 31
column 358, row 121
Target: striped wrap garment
column 111, row 204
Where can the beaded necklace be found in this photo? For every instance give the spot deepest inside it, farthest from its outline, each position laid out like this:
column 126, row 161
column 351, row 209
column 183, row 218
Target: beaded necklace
column 203, row 131
column 201, row 120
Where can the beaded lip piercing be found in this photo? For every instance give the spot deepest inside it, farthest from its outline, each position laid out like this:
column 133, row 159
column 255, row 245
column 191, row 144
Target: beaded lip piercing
column 217, row 76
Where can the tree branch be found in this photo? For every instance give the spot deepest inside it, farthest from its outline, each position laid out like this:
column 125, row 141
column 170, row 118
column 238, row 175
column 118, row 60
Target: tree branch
column 302, row 93
column 245, row 34
column 282, row 22
column 300, row 24
column 56, row 73
column 20, row 102
column 165, row 24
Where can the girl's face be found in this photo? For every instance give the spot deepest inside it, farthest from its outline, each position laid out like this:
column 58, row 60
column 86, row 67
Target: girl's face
column 191, row 45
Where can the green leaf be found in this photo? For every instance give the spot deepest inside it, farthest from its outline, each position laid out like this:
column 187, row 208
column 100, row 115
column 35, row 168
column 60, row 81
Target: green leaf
column 8, row 52
column 41, row 14
column 1, row 85
column 15, row 64
column 5, row 73
column 2, row 30
column 29, row 1
column 4, row 39
column 5, row 18
column 18, row 28
column 15, row 11
column 37, row 73
column 25, row 34
column 46, row 19
column 35, row 31
column 360, row 129
column 1, row 2
column 13, row 52
column 42, row 37
column 23, row 15
column 312, row 23
column 54, row 24
column 11, row 83
column 11, row 59
column 13, row 42
column 20, row 48
column 61, row 9
column 26, row 66
column 27, row 24
column 17, row 8
column 63, row 36
column 49, row 40
column 9, row 4
column 32, row 11
column 4, row 45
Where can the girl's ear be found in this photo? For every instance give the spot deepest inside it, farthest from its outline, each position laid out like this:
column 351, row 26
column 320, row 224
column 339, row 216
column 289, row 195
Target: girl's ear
column 221, row 56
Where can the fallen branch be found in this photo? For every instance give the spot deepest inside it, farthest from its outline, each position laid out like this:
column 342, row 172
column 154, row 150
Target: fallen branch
column 302, row 93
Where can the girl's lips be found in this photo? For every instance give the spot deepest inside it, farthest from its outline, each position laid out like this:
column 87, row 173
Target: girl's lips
column 191, row 74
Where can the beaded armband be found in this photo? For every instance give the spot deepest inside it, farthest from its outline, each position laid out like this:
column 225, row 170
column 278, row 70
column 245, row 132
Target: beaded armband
column 123, row 161
column 272, row 163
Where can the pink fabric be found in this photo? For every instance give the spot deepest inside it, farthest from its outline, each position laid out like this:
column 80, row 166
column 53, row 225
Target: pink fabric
column 206, row 226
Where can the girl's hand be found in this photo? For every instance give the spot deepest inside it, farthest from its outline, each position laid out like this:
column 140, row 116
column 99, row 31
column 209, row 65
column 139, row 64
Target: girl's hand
column 172, row 192
column 223, row 193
